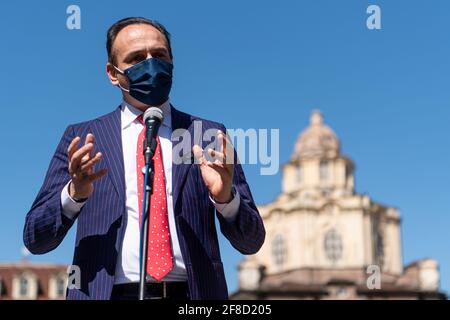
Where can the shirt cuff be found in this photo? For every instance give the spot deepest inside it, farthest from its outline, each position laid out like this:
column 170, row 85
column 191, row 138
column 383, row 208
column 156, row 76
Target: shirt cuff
column 70, row 207
column 228, row 210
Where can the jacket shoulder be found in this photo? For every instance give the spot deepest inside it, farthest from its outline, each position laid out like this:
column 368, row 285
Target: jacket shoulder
column 206, row 123
column 85, row 125
column 209, row 124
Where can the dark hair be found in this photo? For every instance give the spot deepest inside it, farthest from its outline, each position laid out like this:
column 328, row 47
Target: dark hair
column 114, row 30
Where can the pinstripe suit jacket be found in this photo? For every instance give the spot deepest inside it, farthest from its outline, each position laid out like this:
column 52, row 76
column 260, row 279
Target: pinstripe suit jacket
column 101, row 222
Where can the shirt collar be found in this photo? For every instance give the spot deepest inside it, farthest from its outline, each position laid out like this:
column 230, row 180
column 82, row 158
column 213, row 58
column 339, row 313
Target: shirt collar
column 130, row 113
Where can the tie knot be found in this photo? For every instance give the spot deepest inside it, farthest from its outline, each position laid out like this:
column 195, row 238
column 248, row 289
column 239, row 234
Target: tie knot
column 140, row 118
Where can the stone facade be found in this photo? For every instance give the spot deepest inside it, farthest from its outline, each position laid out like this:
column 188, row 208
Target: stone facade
column 32, row 281
column 324, row 240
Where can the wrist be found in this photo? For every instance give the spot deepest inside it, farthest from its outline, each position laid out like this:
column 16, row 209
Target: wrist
column 75, row 197
column 227, row 198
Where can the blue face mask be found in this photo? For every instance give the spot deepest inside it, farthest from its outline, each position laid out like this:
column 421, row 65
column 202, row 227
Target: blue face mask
column 149, row 81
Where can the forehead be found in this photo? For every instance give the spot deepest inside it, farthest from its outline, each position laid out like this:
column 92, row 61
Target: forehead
column 138, row 36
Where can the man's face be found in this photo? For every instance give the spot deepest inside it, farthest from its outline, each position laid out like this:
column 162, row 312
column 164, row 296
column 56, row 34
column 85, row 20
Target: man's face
column 133, row 44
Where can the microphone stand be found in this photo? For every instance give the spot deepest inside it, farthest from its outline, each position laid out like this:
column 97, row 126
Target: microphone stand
column 148, row 182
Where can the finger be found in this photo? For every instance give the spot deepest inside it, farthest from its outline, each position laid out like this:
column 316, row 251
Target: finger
column 219, row 165
column 87, row 165
column 78, row 155
column 218, row 156
column 73, row 146
column 97, row 175
column 221, row 161
column 227, row 148
column 222, row 141
column 89, row 139
column 198, row 154
column 229, row 152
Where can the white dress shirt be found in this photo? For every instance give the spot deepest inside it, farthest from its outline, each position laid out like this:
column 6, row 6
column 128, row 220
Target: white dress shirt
column 127, row 267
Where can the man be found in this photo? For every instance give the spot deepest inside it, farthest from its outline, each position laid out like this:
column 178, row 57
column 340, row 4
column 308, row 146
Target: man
column 100, row 184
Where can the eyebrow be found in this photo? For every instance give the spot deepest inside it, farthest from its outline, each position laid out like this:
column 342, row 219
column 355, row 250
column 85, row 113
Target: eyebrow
column 136, row 52
column 133, row 53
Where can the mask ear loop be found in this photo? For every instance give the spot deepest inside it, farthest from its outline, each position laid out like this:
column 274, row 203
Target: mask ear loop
column 123, row 73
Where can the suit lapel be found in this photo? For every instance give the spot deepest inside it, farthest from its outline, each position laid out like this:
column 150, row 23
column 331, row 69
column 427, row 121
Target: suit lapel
column 108, row 136
column 181, row 120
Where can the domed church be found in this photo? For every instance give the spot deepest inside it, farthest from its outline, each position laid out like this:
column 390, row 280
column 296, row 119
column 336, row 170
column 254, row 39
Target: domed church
column 325, row 241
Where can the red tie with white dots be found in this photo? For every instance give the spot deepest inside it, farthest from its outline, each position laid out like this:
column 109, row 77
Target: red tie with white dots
column 160, row 260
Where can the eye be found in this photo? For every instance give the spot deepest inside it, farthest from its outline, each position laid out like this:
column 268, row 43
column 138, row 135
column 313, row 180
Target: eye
column 138, row 58
column 160, row 54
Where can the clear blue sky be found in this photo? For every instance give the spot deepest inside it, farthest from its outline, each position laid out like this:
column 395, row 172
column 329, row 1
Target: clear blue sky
column 248, row 64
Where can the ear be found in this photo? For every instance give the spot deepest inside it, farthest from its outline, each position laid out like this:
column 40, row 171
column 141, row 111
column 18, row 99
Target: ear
column 112, row 74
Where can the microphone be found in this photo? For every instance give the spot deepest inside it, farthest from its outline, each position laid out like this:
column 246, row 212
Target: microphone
column 153, row 117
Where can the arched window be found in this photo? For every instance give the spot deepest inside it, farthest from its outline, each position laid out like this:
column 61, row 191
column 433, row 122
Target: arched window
column 1, row 288
column 299, row 174
column 333, row 245
column 379, row 248
column 24, row 286
column 57, row 286
column 324, row 170
column 61, row 287
column 279, row 250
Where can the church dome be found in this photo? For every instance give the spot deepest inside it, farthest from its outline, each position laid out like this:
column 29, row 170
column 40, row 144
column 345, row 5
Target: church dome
column 317, row 140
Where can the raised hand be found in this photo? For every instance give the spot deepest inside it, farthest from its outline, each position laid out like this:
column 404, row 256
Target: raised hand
column 81, row 167
column 218, row 174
